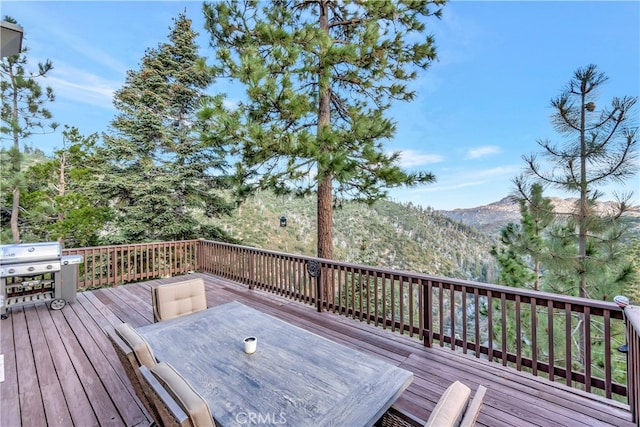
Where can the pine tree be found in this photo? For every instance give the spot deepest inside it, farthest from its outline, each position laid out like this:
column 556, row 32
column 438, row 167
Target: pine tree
column 587, row 251
column 23, row 114
column 319, row 77
column 522, row 249
column 157, row 170
column 600, row 147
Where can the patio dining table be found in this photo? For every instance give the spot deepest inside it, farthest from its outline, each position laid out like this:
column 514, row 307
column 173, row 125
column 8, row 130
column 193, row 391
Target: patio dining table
column 294, row 378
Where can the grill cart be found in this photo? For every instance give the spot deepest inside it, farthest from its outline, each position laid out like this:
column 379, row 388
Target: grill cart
column 33, row 272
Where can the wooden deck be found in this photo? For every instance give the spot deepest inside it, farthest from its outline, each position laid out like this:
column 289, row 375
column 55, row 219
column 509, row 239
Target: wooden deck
column 60, row 369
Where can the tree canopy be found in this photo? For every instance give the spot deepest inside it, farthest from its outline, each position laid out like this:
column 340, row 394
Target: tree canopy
column 318, row 78
column 157, row 171
column 23, row 113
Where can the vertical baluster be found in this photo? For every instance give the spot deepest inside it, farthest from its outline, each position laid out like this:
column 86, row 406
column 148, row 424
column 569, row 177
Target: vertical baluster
column 422, row 303
column 375, row 298
column 518, row 335
column 534, row 336
column 503, row 323
column 551, row 344
column 463, row 295
column 412, row 305
column 567, row 344
column 353, row 292
column 401, row 294
column 441, row 312
column 384, row 300
column 360, row 293
column 587, row 349
column 490, row 324
column 607, row 354
column 476, row 320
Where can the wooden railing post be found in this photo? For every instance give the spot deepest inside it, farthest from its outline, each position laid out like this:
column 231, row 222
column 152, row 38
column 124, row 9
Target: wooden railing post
column 632, row 315
column 252, row 268
column 427, row 298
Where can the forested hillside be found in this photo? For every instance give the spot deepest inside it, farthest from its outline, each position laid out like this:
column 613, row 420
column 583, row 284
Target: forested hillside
column 387, row 234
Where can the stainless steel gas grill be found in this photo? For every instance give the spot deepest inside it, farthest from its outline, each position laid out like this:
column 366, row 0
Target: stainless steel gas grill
column 31, row 272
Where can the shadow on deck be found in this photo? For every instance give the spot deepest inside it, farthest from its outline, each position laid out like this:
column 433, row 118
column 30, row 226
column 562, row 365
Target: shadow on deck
column 60, row 369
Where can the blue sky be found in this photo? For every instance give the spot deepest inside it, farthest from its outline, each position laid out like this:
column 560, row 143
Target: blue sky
column 478, row 109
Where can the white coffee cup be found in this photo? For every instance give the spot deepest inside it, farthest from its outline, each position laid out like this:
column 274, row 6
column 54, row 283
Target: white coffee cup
column 250, row 344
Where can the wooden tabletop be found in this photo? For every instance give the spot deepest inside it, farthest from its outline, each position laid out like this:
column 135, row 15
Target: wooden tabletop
column 294, row 378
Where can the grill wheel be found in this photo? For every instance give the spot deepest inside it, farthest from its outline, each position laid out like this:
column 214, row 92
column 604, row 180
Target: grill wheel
column 57, row 304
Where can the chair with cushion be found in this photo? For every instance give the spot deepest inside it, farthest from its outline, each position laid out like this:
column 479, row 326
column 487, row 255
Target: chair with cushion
column 174, row 399
column 133, row 351
column 452, row 410
column 177, row 299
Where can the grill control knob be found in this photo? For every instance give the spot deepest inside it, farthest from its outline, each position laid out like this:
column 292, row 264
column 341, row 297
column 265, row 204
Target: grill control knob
column 30, row 269
column 11, row 270
column 49, row 267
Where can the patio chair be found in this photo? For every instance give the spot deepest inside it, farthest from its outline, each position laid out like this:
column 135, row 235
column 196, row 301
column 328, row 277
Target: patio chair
column 452, row 410
column 177, row 299
column 133, row 351
column 174, row 399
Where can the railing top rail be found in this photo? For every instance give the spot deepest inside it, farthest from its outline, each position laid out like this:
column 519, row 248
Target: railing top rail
column 89, row 248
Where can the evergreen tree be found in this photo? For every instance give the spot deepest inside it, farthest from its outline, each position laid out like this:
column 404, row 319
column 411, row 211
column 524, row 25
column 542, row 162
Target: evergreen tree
column 522, row 248
column 23, row 114
column 600, row 148
column 60, row 198
column 319, row 77
column 157, row 170
column 587, row 252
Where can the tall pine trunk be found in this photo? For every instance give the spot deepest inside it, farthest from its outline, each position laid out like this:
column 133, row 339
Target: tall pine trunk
column 582, row 226
column 15, row 165
column 325, row 188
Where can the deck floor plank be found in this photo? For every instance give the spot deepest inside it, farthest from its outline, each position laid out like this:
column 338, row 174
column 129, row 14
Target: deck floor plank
column 56, row 410
column 102, row 357
column 72, row 343
column 78, row 343
column 10, row 402
column 77, row 402
column 29, row 393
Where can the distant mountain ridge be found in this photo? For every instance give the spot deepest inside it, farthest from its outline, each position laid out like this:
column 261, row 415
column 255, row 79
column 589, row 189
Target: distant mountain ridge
column 491, row 218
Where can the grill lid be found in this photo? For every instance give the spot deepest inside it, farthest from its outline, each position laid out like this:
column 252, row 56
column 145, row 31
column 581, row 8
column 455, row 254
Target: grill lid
column 21, row 253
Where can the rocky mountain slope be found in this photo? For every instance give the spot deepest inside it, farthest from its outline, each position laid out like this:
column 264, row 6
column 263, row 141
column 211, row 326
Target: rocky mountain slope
column 493, row 217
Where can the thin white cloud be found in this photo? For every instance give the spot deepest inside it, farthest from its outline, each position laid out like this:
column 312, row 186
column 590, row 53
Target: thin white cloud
column 435, row 188
column 411, row 158
column 498, row 171
column 86, row 50
column 456, row 180
column 487, row 150
column 81, row 86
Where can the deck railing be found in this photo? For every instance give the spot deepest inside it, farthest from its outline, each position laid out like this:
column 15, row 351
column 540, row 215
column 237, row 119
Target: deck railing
column 561, row 338
column 116, row 265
